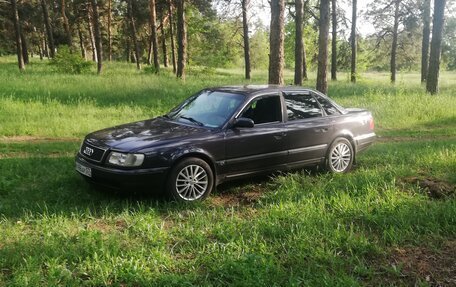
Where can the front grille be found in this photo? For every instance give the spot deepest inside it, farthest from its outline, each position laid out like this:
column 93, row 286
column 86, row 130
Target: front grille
column 92, row 152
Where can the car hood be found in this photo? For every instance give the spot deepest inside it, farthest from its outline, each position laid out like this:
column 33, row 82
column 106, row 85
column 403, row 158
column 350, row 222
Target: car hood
column 143, row 134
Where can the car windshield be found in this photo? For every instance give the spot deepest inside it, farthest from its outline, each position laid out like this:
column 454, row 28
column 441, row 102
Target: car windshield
column 207, row 108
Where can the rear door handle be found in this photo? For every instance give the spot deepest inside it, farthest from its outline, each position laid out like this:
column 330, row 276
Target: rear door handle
column 321, row 130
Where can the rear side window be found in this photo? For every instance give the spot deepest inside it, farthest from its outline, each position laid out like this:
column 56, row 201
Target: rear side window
column 327, row 106
column 301, row 106
column 264, row 110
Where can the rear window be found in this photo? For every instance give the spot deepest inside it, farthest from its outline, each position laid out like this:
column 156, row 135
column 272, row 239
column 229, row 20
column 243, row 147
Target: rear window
column 327, row 106
column 301, row 106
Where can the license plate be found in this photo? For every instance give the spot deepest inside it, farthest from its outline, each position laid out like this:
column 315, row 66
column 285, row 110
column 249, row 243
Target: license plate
column 87, row 171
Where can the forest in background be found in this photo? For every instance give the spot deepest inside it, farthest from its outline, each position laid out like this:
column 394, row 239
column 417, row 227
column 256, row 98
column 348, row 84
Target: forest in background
column 303, row 34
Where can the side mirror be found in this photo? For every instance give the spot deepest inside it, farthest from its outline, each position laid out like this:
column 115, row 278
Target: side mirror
column 243, row 123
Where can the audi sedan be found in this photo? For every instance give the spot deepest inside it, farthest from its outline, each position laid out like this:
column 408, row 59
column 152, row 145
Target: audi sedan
column 225, row 133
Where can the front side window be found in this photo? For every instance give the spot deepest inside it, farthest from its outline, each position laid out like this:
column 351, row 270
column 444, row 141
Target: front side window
column 301, row 106
column 264, row 110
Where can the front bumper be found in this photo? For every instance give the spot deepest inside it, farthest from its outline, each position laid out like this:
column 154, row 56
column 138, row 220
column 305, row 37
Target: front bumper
column 151, row 178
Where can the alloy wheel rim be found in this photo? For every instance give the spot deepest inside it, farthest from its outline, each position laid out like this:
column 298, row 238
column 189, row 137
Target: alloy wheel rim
column 191, row 182
column 340, row 157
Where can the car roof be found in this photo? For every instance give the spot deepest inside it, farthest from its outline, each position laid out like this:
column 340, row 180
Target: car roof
column 252, row 90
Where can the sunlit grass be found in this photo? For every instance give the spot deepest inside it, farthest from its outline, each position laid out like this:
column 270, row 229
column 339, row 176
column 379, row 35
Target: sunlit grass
column 306, row 229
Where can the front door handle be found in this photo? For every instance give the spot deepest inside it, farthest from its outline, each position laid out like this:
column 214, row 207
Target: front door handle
column 280, row 135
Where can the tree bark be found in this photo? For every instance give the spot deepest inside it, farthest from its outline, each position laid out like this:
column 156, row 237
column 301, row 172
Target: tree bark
column 426, row 37
column 81, row 43
column 153, row 34
column 97, row 32
column 171, row 35
column 109, row 30
column 49, row 32
column 24, row 46
column 245, row 28
column 133, row 34
column 91, row 34
column 66, row 24
column 276, row 39
column 17, row 30
column 353, row 42
column 334, row 41
column 163, row 40
column 322, row 82
column 394, row 44
column 432, row 83
column 181, row 40
column 299, row 47
column 304, row 63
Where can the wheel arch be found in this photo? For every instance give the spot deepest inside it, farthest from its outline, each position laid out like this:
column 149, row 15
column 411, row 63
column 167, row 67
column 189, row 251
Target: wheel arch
column 348, row 135
column 197, row 154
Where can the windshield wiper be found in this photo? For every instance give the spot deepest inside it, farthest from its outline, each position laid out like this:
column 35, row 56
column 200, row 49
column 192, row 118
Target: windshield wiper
column 192, row 120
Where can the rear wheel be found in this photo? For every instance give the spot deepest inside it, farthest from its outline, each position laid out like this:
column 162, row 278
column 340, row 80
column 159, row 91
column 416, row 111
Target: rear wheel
column 340, row 156
column 190, row 180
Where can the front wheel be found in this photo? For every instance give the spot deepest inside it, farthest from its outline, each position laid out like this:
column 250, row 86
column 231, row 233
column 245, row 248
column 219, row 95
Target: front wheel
column 340, row 156
column 190, row 180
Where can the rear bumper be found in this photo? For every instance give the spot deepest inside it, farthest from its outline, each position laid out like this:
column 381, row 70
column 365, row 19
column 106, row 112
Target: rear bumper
column 152, row 178
column 364, row 141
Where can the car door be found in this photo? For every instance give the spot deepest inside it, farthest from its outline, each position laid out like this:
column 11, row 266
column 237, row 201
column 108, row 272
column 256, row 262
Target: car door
column 309, row 131
column 261, row 147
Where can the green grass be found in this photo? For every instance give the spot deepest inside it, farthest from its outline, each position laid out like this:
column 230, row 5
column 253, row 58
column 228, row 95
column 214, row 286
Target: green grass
column 305, row 229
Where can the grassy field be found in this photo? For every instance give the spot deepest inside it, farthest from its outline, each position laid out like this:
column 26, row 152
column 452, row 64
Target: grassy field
column 392, row 221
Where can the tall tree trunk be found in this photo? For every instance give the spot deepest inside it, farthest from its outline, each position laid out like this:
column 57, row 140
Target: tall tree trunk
column 44, row 43
column 91, row 34
column 304, row 57
column 432, row 83
column 425, row 41
column 181, row 39
column 322, row 82
column 109, row 30
column 394, row 44
column 133, row 34
column 24, row 46
column 245, row 28
column 97, row 32
column 49, row 32
column 81, row 43
column 153, row 34
column 17, row 30
column 66, row 24
column 276, row 39
column 304, row 63
column 299, row 46
column 128, row 50
column 353, row 42
column 40, row 51
column 163, row 39
column 334, row 41
column 171, row 35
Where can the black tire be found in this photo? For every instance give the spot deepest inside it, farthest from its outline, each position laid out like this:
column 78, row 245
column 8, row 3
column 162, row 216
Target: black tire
column 339, row 158
column 191, row 179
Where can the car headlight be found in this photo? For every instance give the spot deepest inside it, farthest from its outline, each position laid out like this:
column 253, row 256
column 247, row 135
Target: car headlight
column 125, row 159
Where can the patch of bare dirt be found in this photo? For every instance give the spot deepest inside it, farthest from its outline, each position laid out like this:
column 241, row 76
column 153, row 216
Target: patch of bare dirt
column 248, row 196
column 104, row 226
column 411, row 139
column 417, row 265
column 12, row 139
column 235, row 199
column 435, row 188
